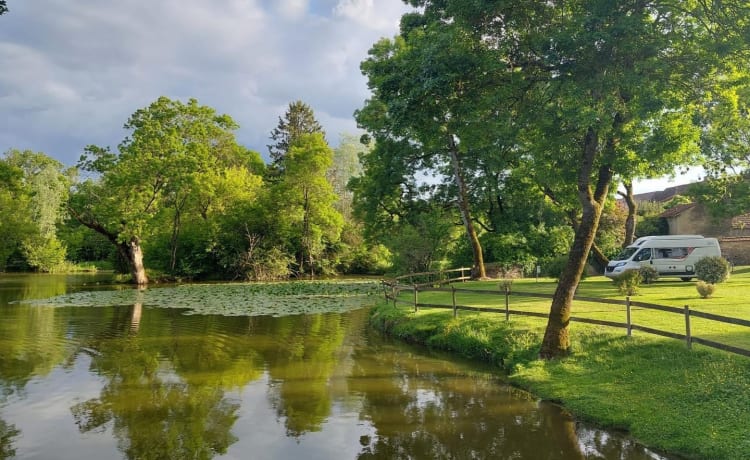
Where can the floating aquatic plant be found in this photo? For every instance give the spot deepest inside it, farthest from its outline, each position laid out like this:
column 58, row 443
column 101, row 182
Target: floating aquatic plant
column 232, row 299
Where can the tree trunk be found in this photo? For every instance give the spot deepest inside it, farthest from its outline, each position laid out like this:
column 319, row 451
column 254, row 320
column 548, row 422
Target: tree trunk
column 600, row 261
column 556, row 342
column 173, row 241
column 478, row 270
column 632, row 209
column 133, row 253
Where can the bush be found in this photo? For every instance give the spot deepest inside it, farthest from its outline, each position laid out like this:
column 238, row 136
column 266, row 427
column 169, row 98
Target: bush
column 705, row 289
column 712, row 270
column 649, row 274
column 628, row 282
column 555, row 267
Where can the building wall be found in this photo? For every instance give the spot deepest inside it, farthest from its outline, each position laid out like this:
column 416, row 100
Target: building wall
column 696, row 221
column 736, row 249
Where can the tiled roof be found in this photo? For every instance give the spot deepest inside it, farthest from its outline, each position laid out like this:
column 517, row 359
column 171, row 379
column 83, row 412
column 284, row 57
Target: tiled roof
column 677, row 210
column 663, row 195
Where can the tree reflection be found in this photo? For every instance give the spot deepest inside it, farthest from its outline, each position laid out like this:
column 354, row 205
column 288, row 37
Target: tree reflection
column 153, row 411
column 8, row 433
column 433, row 409
column 300, row 365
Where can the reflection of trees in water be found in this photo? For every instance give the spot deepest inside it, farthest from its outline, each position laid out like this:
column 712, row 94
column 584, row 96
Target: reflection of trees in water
column 300, row 366
column 156, row 412
column 7, row 433
column 33, row 343
column 440, row 412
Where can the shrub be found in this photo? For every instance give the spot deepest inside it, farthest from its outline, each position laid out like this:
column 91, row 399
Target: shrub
column 705, row 289
column 555, row 267
column 649, row 274
column 627, row 282
column 712, row 270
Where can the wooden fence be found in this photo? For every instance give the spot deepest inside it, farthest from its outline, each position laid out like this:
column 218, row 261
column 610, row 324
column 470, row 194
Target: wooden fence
column 392, row 289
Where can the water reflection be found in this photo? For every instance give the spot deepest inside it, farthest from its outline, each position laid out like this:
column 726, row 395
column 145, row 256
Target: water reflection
column 145, row 383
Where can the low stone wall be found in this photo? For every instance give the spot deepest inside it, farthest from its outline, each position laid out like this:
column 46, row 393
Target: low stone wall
column 736, row 249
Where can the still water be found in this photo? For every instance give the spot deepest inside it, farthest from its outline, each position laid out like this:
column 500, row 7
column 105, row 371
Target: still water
column 140, row 382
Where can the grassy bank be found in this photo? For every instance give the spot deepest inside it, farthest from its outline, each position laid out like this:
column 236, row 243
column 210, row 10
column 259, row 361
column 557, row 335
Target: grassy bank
column 695, row 403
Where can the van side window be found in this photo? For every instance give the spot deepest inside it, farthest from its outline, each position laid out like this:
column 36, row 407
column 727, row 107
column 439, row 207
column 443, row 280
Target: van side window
column 643, row 254
column 671, row 253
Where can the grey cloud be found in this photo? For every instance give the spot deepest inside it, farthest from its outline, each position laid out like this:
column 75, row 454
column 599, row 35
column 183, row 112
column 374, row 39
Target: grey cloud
column 73, row 71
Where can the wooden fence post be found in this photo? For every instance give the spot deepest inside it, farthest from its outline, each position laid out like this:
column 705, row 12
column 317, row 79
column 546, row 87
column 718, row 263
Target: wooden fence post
column 627, row 310
column 507, row 302
column 688, row 338
column 394, row 293
column 453, row 292
column 416, row 298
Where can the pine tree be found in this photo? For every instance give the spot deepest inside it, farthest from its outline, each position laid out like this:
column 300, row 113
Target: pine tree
column 299, row 119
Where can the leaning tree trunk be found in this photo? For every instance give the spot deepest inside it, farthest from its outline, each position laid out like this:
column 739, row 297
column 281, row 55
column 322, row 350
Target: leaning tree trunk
column 599, row 260
column 478, row 270
column 556, row 342
column 133, row 254
column 130, row 251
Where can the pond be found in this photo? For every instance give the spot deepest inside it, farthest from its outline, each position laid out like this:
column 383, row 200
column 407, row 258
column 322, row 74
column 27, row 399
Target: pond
column 101, row 371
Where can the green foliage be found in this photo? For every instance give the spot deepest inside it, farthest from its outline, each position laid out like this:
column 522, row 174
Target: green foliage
column 44, row 254
column 554, row 267
column 367, row 260
column 676, row 201
column 421, row 244
column 299, row 120
column 32, row 198
column 609, row 235
column 705, row 289
column 648, row 274
column 651, row 225
column 302, row 201
column 179, row 166
column 628, row 282
column 712, row 270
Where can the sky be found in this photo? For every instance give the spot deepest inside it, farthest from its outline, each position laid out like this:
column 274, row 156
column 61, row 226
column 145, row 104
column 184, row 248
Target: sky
column 73, row 71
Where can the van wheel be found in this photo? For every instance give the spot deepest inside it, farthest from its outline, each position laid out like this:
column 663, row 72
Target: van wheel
column 686, row 278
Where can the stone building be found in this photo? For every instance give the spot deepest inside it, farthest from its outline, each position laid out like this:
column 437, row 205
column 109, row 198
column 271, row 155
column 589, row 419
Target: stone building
column 694, row 219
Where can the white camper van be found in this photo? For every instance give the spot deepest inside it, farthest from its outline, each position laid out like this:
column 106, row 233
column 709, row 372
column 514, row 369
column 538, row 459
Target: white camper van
column 670, row 255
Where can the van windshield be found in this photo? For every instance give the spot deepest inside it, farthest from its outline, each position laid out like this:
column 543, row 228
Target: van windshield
column 626, row 254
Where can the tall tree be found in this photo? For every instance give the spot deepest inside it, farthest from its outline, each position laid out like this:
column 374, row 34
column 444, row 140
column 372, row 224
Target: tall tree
column 599, row 79
column 157, row 174
column 298, row 120
column 306, row 198
column 431, row 101
column 3, row 7
column 47, row 182
column 345, row 166
column 726, row 142
column 15, row 221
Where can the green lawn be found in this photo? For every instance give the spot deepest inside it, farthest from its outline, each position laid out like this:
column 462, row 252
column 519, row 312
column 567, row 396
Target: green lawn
column 692, row 402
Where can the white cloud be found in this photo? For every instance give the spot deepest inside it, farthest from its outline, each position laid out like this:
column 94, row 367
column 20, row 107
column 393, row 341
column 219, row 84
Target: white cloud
column 292, row 9
column 74, row 70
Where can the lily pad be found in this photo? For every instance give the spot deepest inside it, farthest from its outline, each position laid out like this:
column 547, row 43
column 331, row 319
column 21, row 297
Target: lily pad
column 232, row 299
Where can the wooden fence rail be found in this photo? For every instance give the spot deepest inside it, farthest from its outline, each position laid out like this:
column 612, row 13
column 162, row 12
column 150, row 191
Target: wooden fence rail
column 393, row 288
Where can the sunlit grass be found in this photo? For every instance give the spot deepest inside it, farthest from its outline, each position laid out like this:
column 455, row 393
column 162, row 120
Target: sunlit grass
column 694, row 402
column 731, row 299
